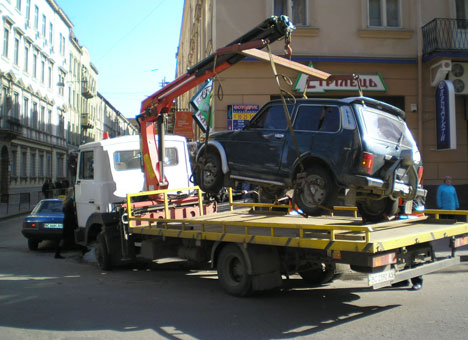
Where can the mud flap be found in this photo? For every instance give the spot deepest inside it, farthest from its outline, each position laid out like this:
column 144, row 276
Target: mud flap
column 265, row 267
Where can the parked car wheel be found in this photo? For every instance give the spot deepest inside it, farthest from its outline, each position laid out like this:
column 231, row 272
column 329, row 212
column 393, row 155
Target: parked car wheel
column 33, row 244
column 210, row 177
column 316, row 191
column 375, row 211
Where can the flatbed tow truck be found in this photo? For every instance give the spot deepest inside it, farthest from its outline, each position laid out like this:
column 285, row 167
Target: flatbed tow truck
column 253, row 247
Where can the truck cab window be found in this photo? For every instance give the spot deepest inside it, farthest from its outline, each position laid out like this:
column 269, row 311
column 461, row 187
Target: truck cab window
column 86, row 165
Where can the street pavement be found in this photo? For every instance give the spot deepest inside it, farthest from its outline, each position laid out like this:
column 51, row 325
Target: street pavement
column 46, row 298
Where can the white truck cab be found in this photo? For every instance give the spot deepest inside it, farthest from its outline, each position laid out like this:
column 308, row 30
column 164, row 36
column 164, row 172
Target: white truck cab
column 110, row 169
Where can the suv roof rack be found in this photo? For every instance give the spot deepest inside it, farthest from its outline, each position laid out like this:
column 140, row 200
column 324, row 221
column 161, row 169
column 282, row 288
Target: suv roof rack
column 377, row 104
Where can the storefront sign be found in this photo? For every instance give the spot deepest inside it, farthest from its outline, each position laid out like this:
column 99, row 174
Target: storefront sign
column 445, row 116
column 369, row 82
column 239, row 115
column 184, row 124
column 201, row 104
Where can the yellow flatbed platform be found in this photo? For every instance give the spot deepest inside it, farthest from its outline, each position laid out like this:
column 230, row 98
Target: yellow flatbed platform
column 330, row 233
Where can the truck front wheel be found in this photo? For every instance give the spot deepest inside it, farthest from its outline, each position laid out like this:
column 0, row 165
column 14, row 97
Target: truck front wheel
column 232, row 271
column 102, row 255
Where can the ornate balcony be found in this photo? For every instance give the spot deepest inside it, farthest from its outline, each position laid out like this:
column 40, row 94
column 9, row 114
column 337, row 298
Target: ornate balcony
column 445, row 35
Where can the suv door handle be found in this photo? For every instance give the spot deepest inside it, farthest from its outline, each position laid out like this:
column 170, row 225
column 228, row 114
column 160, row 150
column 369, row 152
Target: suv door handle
column 91, row 202
column 279, row 135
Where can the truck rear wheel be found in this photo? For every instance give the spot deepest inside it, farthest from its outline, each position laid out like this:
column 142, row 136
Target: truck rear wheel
column 102, row 255
column 375, row 211
column 232, row 271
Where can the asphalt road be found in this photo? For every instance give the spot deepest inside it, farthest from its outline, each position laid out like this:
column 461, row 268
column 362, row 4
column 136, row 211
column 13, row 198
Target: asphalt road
column 46, row 298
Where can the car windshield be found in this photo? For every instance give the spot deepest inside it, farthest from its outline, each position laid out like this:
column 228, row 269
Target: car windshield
column 384, row 126
column 48, row 207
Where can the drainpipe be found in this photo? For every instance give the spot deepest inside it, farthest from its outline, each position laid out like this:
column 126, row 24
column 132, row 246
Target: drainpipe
column 420, row 76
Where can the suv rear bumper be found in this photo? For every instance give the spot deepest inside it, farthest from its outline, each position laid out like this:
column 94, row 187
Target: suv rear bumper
column 379, row 187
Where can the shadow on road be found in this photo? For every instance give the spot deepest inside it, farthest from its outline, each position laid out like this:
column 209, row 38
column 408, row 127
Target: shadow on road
column 66, row 295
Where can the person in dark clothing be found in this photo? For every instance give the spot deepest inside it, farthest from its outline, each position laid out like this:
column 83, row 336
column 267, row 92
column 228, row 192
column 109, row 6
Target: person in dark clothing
column 47, row 188
column 69, row 223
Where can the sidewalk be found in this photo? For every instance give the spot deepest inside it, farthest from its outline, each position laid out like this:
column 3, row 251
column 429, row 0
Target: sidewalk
column 12, row 210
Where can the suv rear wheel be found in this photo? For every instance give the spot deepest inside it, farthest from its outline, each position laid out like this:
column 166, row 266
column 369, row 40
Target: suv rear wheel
column 377, row 210
column 316, row 192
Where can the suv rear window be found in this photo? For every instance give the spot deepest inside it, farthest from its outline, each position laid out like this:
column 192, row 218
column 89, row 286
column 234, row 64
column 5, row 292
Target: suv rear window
column 317, row 118
column 385, row 126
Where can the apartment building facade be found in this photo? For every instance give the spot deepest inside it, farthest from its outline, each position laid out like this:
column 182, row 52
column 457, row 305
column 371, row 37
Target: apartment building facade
column 400, row 48
column 48, row 96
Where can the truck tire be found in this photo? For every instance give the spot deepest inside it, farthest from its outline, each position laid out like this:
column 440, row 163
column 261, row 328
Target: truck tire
column 375, row 211
column 209, row 173
column 33, row 244
column 102, row 255
column 316, row 192
column 320, row 275
column 232, row 271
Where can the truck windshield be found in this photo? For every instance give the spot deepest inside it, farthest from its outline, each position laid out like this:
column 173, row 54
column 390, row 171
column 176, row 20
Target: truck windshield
column 386, row 127
column 127, row 160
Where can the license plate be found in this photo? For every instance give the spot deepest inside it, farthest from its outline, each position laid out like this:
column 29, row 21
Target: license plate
column 385, row 276
column 53, row 225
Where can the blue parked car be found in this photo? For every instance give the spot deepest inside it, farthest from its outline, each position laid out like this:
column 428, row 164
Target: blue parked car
column 44, row 223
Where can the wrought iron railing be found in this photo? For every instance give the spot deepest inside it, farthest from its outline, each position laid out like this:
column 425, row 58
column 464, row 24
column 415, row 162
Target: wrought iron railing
column 442, row 35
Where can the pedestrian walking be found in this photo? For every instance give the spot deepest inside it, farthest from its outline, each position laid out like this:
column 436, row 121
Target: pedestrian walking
column 447, row 198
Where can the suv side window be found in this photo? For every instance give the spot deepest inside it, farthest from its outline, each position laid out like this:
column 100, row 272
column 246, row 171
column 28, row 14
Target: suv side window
column 270, row 118
column 86, row 165
column 317, row 118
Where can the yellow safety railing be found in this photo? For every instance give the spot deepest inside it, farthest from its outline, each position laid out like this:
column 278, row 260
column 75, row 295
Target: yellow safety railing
column 438, row 212
column 165, row 195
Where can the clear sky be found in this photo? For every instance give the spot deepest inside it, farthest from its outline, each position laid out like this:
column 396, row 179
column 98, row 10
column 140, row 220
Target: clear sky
column 132, row 43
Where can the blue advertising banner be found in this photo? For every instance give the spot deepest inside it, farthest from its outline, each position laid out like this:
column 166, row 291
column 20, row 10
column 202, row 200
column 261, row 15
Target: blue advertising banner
column 239, row 115
column 445, row 116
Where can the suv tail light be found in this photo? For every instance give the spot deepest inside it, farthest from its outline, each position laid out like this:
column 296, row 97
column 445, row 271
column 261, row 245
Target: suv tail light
column 367, row 162
column 420, row 173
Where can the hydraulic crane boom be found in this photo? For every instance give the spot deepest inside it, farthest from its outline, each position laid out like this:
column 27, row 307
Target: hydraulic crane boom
column 155, row 106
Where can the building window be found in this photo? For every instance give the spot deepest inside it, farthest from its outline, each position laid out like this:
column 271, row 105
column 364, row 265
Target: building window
column 16, row 105
column 33, row 165
column 294, row 9
column 42, row 71
column 34, row 116
column 50, row 77
column 42, row 119
column 44, row 22
column 26, row 59
column 25, row 111
column 6, row 38
column 41, row 165
column 51, row 33
column 34, row 66
column 28, row 11
column 23, row 164
column 49, row 166
column 384, row 13
column 14, row 167
column 18, row 5
column 60, row 163
column 49, row 122
column 36, row 17
column 16, row 52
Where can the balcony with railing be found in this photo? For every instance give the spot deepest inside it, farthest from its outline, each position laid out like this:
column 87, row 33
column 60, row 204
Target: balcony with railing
column 445, row 35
